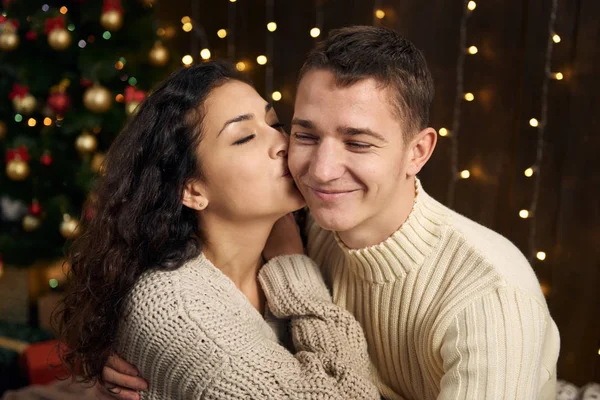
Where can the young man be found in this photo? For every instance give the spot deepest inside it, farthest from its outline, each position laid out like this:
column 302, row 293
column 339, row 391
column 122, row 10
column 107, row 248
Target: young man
column 450, row 309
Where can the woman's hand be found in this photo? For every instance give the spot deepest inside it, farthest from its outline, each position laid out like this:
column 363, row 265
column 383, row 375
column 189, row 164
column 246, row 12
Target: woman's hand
column 122, row 380
column 284, row 239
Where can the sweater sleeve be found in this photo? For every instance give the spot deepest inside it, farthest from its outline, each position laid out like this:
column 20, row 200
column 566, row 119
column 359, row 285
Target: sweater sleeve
column 330, row 343
column 493, row 349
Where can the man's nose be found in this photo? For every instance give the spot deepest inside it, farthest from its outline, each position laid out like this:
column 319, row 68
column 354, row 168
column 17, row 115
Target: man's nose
column 326, row 164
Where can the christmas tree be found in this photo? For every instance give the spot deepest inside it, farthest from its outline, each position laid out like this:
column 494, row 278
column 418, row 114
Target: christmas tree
column 71, row 71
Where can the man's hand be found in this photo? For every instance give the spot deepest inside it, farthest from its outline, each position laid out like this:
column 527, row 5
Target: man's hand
column 122, row 380
column 284, row 239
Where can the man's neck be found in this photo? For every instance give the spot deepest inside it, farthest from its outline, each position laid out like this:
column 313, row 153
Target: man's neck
column 383, row 224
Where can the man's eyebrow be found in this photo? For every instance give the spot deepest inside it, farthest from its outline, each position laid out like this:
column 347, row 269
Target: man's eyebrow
column 351, row 131
column 304, row 123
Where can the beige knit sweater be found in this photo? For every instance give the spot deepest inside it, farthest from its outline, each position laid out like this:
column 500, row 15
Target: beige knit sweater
column 194, row 335
column 451, row 310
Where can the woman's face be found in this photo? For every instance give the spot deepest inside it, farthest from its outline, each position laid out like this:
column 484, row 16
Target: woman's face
column 243, row 157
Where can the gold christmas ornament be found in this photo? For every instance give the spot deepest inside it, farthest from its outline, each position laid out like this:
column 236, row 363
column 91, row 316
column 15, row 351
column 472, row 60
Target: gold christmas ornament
column 17, row 170
column 131, row 107
column 31, row 223
column 9, row 40
column 97, row 99
column 111, row 20
column 159, row 55
column 86, row 143
column 25, row 105
column 97, row 161
column 3, row 130
column 59, row 39
column 69, row 228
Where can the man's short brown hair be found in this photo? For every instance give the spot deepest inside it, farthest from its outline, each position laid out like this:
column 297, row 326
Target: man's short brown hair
column 361, row 52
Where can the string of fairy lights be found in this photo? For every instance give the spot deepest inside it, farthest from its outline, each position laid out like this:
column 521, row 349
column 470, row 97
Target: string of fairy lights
column 460, row 96
column 534, row 172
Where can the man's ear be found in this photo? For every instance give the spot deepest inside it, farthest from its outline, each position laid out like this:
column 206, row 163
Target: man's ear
column 420, row 150
column 194, row 197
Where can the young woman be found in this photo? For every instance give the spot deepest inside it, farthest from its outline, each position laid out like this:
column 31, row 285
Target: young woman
column 171, row 272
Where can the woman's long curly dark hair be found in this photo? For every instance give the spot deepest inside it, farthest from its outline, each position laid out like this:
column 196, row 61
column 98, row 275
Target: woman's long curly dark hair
column 139, row 222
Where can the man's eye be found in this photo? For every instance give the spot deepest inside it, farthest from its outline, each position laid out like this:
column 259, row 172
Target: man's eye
column 358, row 145
column 301, row 137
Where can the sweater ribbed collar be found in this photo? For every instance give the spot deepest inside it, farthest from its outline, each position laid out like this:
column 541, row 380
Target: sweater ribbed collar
column 405, row 249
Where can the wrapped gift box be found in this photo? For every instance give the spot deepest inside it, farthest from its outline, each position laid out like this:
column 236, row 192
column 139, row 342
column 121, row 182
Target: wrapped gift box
column 15, row 339
column 41, row 363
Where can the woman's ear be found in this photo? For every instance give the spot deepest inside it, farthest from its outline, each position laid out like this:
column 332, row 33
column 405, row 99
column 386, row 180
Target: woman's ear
column 193, row 196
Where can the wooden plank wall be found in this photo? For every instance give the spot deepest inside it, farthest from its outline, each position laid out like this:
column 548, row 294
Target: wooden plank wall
column 496, row 142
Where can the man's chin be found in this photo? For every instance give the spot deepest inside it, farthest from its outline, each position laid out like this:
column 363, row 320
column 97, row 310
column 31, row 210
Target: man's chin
column 331, row 220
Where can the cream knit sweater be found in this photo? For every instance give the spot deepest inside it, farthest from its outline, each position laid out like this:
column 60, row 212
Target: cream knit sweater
column 450, row 309
column 194, row 335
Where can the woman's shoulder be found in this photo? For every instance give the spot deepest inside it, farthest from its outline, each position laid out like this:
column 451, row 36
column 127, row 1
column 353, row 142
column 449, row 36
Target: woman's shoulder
column 159, row 289
column 197, row 290
column 196, row 296
column 163, row 299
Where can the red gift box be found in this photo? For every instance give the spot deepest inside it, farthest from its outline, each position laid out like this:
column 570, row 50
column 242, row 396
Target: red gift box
column 41, row 363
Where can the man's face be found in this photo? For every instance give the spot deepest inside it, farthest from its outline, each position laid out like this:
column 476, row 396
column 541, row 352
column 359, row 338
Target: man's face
column 347, row 153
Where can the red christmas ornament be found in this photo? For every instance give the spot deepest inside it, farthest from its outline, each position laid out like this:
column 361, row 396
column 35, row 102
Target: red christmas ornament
column 133, row 98
column 84, row 82
column 110, row 5
column 17, row 168
column 59, row 102
column 134, row 95
column 18, row 91
column 31, row 35
column 46, row 159
column 17, row 154
column 13, row 22
column 35, row 208
column 54, row 23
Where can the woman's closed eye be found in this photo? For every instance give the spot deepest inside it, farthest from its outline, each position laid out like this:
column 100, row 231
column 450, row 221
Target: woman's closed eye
column 244, row 140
